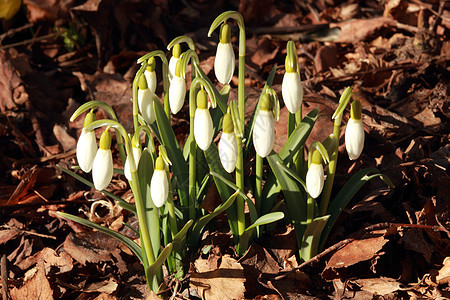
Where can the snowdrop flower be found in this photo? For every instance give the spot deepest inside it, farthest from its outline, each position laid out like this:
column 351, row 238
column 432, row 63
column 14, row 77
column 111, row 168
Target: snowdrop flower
column 203, row 125
column 264, row 129
column 176, row 53
column 102, row 170
column 315, row 175
column 177, row 90
column 87, row 145
column 224, row 62
column 150, row 74
column 145, row 101
column 291, row 88
column 159, row 185
column 354, row 133
column 136, row 148
column 228, row 150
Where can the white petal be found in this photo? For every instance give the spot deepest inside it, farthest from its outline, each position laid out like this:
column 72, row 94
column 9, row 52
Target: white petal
column 354, row 138
column 264, row 133
column 159, row 187
column 145, row 103
column 203, row 128
column 137, row 156
column 102, row 170
column 228, row 151
column 86, row 150
column 224, row 63
column 151, row 80
column 177, row 93
column 172, row 64
column 314, row 180
column 292, row 91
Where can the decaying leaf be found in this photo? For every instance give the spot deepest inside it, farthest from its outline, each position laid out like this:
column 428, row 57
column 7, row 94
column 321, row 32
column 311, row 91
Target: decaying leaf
column 36, row 287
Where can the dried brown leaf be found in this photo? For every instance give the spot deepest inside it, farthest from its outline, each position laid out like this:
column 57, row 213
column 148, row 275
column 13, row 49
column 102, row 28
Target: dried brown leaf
column 361, row 29
column 379, row 286
column 36, row 287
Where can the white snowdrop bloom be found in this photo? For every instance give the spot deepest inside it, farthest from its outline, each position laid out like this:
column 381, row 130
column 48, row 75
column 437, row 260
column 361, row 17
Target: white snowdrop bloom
column 225, row 61
column 150, row 75
column 102, row 169
column 176, row 53
column 315, row 176
column 228, row 150
column 145, row 101
column 159, row 185
column 136, row 155
column 177, row 93
column 87, row 146
column 264, row 129
column 292, row 91
column 354, row 133
column 203, row 125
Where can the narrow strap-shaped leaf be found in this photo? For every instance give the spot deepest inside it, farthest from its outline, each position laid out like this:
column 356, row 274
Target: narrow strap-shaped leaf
column 153, row 268
column 311, row 237
column 134, row 247
column 344, row 196
column 292, row 174
column 179, row 238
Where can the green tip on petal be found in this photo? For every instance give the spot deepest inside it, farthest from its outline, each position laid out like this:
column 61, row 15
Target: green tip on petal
column 176, row 51
column 159, row 164
column 151, row 64
column 227, row 126
column 316, row 158
column 266, row 104
column 143, row 83
column 225, row 34
column 105, row 140
column 202, row 99
column 90, row 117
column 355, row 111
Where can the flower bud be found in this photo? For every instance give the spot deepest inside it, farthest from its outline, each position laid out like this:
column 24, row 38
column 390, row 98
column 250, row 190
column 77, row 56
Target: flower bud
column 228, row 150
column 292, row 91
column 150, row 74
column 176, row 53
column 225, row 61
column 102, row 169
column 87, row 145
column 159, row 185
column 145, row 101
column 136, row 148
column 264, row 129
column 203, row 125
column 354, row 133
column 177, row 91
column 315, row 176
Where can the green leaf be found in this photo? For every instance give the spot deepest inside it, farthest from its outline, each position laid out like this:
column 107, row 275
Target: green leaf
column 344, row 196
column 120, row 237
column 180, row 237
column 343, row 101
column 292, row 174
column 311, row 237
column 263, row 220
column 153, row 268
column 201, row 222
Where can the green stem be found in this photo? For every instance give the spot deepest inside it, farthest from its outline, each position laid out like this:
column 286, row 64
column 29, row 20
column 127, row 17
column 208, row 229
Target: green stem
column 240, row 183
column 258, row 187
column 192, row 157
column 309, row 209
column 300, row 158
column 291, row 124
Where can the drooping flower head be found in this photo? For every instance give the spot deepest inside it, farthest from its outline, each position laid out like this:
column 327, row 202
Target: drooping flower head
column 136, row 148
column 87, row 145
column 354, row 133
column 145, row 101
column 228, row 150
column 177, row 90
column 224, row 62
column 102, row 170
column 176, row 53
column 315, row 175
column 159, row 185
column 150, row 74
column 264, row 129
column 203, row 125
column 291, row 87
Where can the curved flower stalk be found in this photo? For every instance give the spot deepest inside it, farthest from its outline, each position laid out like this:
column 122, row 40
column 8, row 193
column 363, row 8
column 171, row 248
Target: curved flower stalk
column 177, row 90
column 145, row 101
column 159, row 185
column 102, row 169
column 354, row 133
column 315, row 175
column 150, row 74
column 136, row 148
column 203, row 125
column 291, row 87
column 264, row 129
column 87, row 145
column 176, row 53
column 228, row 146
column 225, row 61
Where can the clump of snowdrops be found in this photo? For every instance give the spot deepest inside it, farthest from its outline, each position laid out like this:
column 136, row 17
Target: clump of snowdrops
column 169, row 183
